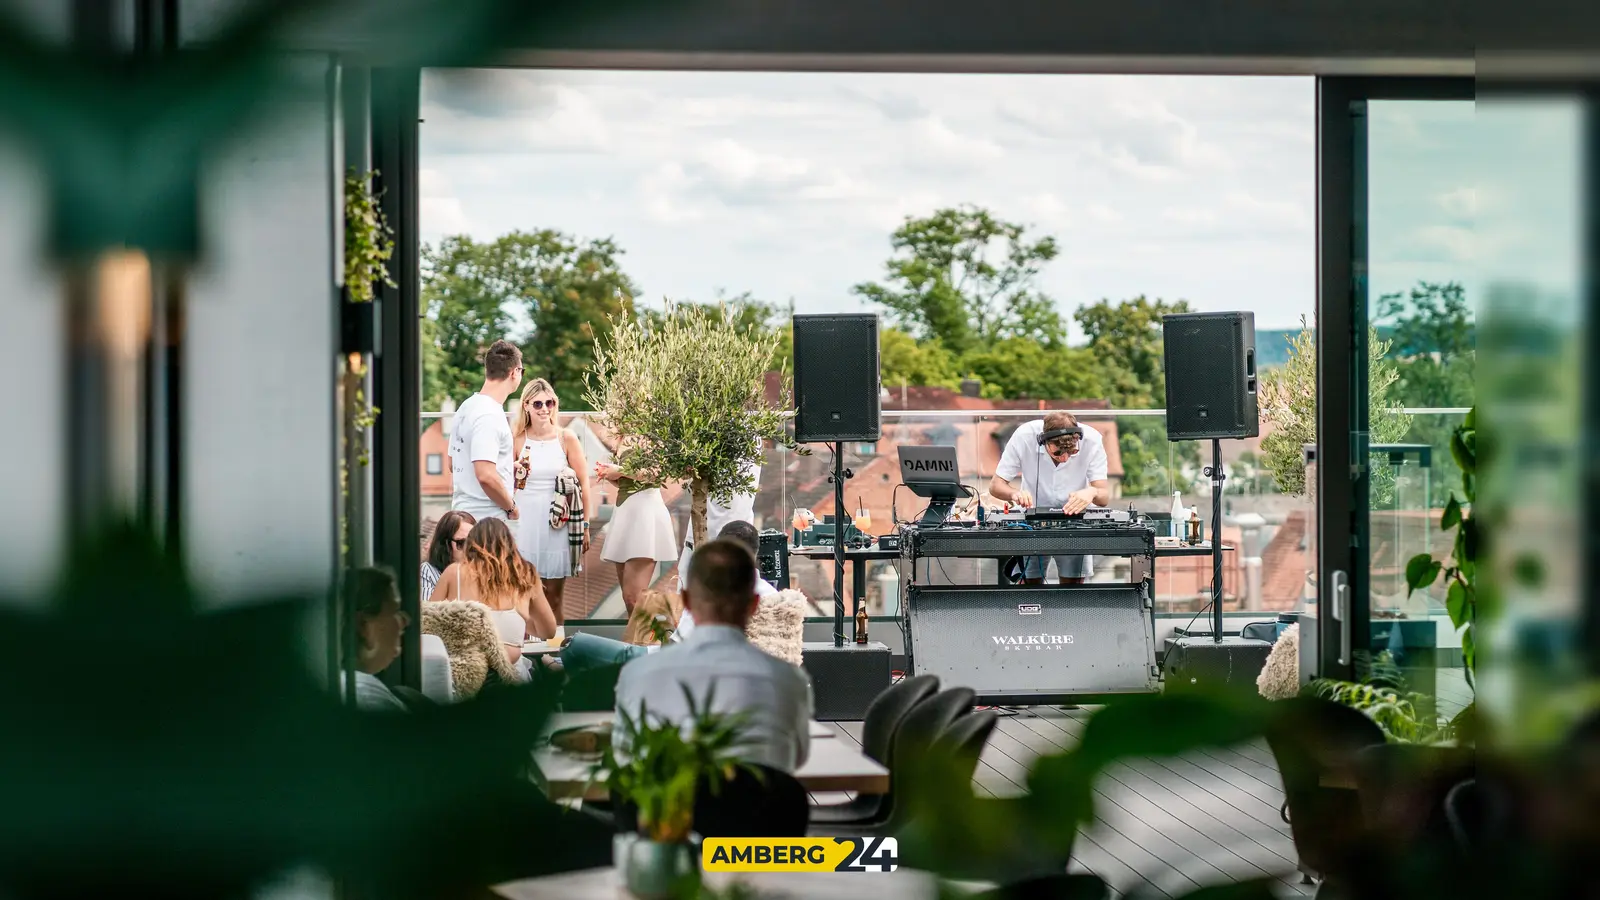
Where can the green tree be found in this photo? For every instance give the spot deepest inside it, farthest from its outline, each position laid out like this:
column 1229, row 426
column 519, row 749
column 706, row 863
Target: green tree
column 1017, row 368
column 758, row 316
column 1433, row 349
column 1288, row 398
column 551, row 293
column 966, row 278
column 904, row 360
column 1125, row 339
column 685, row 414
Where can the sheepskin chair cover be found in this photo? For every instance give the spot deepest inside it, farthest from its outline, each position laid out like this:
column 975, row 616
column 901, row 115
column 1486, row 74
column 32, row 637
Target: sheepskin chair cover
column 473, row 643
column 778, row 625
column 1280, row 676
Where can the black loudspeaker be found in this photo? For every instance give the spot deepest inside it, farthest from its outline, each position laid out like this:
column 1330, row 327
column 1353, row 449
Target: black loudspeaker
column 1201, row 662
column 773, row 559
column 845, row 680
column 836, row 381
column 1210, row 360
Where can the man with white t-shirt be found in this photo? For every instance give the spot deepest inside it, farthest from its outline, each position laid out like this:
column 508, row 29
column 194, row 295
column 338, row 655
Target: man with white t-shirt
column 1062, row 466
column 480, row 440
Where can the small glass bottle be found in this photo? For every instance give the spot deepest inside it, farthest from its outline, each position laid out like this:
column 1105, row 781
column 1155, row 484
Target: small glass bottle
column 1194, row 526
column 861, row 623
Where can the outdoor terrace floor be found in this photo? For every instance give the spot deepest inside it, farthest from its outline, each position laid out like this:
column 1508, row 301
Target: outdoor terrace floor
column 1167, row 826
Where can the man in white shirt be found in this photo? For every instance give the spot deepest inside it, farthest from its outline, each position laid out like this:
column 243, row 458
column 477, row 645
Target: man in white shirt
column 1062, row 466
column 745, row 535
column 717, row 661
column 480, row 440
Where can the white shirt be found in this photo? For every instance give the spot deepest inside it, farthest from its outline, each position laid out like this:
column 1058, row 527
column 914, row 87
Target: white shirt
column 1049, row 483
column 764, row 589
column 480, row 432
column 374, row 696
column 741, row 508
column 719, row 660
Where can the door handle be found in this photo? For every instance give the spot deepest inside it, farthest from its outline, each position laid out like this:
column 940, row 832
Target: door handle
column 1341, row 614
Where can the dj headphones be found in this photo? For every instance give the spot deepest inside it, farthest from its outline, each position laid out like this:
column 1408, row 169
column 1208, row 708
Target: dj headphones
column 1046, row 437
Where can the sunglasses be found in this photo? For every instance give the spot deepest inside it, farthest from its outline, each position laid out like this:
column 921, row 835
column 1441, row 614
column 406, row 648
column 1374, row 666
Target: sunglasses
column 542, row 404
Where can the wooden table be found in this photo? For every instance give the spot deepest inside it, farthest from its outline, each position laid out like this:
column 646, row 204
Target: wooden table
column 562, row 720
column 603, row 884
column 834, row 765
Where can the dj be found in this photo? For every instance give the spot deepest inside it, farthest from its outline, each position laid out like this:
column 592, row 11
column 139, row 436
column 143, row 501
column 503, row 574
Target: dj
column 1062, row 466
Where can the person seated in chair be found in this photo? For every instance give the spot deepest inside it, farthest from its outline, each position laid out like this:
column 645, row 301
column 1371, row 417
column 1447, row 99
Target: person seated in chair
column 745, row 535
column 716, row 660
column 373, row 596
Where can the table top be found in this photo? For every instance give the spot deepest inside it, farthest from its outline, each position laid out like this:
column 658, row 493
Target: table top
column 834, row 765
column 1201, row 549
column 849, row 553
column 603, row 884
column 562, row 720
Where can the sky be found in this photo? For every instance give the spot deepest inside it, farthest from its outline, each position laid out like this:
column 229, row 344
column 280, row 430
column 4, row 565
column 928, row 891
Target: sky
column 788, row 185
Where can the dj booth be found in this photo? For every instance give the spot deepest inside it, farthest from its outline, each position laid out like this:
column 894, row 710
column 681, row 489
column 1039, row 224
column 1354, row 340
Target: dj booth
column 967, row 618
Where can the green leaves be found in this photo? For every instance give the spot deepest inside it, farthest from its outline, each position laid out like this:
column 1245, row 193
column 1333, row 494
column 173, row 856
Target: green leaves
column 1422, row 571
column 965, row 278
column 688, row 396
column 1452, row 514
column 657, row 764
column 368, row 240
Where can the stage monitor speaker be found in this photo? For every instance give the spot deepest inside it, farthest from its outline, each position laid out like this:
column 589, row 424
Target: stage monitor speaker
column 1201, row 662
column 1210, row 361
column 845, row 680
column 836, row 381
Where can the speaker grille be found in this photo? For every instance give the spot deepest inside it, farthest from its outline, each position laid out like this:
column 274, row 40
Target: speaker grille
column 1210, row 373
column 836, row 378
column 1006, row 641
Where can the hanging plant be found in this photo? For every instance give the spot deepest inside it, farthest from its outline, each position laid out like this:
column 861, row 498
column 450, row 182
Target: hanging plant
column 368, row 240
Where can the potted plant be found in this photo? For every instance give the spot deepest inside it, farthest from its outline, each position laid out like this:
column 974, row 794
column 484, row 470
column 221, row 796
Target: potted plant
column 657, row 765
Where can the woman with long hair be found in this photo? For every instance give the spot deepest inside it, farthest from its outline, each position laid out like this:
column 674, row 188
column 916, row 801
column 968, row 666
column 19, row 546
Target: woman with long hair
column 446, row 546
column 546, row 454
column 640, row 534
column 493, row 573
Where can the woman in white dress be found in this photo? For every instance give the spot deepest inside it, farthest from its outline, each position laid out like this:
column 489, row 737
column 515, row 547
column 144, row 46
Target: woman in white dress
column 544, row 451
column 640, row 533
column 493, row 573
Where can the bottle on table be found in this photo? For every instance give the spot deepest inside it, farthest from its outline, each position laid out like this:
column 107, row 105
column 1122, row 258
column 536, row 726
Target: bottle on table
column 1175, row 529
column 1194, row 525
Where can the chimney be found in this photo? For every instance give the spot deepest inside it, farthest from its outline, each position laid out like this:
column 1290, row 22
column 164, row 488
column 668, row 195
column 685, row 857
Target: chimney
column 971, row 387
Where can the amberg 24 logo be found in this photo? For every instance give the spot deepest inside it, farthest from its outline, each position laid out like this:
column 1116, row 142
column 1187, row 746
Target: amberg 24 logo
column 853, row 854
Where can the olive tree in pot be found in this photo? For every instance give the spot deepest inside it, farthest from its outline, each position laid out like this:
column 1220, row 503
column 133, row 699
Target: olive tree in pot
column 657, row 766
column 688, row 393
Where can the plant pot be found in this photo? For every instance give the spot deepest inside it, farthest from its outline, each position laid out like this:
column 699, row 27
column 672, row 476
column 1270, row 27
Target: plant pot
column 655, row 871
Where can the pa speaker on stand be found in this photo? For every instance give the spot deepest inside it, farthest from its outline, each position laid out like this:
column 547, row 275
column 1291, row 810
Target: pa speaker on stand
column 1210, row 363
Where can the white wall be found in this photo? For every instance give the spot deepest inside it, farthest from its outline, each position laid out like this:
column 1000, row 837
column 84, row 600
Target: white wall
column 260, row 475
column 31, row 336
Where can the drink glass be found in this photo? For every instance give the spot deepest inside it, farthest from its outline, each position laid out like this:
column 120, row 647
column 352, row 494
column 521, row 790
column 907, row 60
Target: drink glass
column 799, row 521
column 863, row 519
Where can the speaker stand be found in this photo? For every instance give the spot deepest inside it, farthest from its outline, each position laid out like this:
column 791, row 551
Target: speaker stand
column 1214, row 471
column 840, row 473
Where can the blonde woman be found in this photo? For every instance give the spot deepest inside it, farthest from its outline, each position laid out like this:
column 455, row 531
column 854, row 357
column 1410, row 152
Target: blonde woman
column 493, row 573
column 546, row 451
column 640, row 533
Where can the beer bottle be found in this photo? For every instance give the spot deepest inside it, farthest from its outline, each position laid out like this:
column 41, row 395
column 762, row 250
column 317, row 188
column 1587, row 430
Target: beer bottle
column 861, row 623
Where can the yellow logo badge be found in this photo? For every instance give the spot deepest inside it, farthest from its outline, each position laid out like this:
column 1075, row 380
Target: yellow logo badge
column 800, row 854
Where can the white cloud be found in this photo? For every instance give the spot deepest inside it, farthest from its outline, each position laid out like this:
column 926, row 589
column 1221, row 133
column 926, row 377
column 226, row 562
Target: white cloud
column 789, row 184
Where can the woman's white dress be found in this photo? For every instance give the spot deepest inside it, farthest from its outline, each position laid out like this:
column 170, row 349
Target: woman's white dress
column 641, row 528
column 545, row 548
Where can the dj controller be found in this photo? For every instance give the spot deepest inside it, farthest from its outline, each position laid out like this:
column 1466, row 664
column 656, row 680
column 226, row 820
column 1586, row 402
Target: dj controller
column 1033, row 532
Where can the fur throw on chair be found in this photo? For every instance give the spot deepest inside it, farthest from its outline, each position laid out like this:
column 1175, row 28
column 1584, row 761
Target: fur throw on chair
column 473, row 643
column 778, row 626
column 1280, row 676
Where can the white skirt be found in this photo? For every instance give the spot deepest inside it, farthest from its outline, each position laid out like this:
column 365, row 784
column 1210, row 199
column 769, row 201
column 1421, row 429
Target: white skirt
column 641, row 528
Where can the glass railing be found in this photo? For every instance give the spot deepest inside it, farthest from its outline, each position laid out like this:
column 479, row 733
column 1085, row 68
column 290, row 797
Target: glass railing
column 1268, row 567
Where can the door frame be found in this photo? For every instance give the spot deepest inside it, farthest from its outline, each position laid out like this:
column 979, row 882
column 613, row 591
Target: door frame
column 1342, row 411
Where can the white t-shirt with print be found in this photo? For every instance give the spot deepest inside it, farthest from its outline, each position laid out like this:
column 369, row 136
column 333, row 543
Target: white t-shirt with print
column 480, row 432
column 1049, row 483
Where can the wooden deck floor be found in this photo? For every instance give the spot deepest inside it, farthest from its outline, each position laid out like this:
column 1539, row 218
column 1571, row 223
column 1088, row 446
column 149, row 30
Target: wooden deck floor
column 1167, row 826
